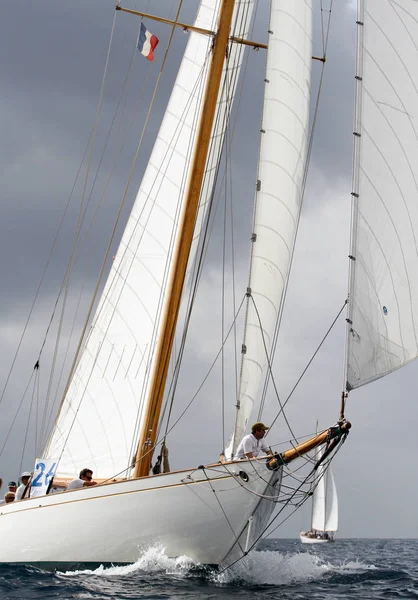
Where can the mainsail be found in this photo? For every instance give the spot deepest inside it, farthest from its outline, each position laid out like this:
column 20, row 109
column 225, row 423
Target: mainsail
column 383, row 309
column 279, row 192
column 101, row 413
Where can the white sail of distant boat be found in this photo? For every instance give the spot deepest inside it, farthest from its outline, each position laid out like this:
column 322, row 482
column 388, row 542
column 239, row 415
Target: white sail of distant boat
column 116, row 411
column 324, row 521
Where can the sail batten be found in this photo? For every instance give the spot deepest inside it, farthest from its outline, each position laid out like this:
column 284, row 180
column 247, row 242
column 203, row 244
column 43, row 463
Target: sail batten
column 383, row 309
column 281, row 172
column 112, row 377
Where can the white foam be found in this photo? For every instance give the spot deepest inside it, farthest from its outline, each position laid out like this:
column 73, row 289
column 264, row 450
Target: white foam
column 274, row 568
column 151, row 560
column 259, row 568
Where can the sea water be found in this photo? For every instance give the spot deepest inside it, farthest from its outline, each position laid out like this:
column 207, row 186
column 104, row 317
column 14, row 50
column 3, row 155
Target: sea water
column 282, row 569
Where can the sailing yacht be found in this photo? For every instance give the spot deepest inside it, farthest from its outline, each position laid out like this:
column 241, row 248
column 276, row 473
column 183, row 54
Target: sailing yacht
column 324, row 519
column 115, row 413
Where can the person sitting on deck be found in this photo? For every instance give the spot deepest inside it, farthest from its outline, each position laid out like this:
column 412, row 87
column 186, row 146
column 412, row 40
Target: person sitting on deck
column 9, row 497
column 24, row 480
column 252, row 445
column 83, row 480
column 12, row 487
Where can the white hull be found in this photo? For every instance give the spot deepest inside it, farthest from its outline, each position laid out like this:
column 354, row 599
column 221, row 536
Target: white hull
column 305, row 539
column 111, row 523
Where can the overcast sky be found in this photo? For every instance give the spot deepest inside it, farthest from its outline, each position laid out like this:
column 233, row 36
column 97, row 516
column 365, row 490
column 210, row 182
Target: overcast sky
column 53, row 57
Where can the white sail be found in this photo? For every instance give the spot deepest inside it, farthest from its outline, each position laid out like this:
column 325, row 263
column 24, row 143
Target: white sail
column 101, row 413
column 325, row 502
column 318, row 502
column 383, row 313
column 279, row 190
column 331, row 523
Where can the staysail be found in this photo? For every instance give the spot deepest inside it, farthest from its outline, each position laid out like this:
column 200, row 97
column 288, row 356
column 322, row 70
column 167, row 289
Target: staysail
column 383, row 307
column 279, row 191
column 101, row 413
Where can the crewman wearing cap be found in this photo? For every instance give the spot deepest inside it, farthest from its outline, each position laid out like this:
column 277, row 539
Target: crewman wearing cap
column 253, row 444
column 12, row 487
column 24, row 480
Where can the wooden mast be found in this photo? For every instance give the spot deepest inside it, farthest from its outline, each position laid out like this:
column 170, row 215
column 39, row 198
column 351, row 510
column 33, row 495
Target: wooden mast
column 148, row 433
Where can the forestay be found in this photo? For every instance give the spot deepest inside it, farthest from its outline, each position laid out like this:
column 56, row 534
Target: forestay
column 279, row 192
column 101, row 413
column 383, row 313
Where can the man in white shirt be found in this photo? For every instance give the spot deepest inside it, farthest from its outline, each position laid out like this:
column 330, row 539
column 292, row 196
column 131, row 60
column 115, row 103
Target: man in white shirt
column 24, row 481
column 85, row 479
column 253, row 444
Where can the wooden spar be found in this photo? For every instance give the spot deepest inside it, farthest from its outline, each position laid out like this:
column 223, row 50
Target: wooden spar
column 301, row 449
column 183, row 243
column 186, row 27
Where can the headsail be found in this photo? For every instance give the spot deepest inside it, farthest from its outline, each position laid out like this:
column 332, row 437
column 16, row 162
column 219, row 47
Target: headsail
column 101, row 414
column 279, row 190
column 383, row 310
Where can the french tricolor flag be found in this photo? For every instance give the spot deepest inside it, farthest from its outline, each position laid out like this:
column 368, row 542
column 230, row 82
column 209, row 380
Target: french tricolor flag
column 147, row 42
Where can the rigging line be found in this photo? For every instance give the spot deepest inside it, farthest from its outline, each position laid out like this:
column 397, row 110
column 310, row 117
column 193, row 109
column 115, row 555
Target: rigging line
column 305, row 177
column 311, row 359
column 47, row 428
column 322, row 27
column 269, row 368
column 37, row 420
column 54, row 358
column 116, row 222
column 223, row 512
column 29, row 419
column 169, row 430
column 17, row 412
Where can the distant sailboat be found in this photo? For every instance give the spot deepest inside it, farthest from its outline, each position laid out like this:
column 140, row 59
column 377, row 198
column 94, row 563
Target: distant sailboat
column 324, row 521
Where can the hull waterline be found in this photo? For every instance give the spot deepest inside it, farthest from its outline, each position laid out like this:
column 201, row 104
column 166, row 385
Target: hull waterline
column 212, row 515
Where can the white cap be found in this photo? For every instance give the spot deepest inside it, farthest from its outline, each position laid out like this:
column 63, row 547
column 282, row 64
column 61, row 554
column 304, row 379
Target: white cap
column 26, row 474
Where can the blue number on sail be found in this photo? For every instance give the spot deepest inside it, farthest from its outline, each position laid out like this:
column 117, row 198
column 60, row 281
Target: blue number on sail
column 50, row 474
column 36, row 482
column 385, row 311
